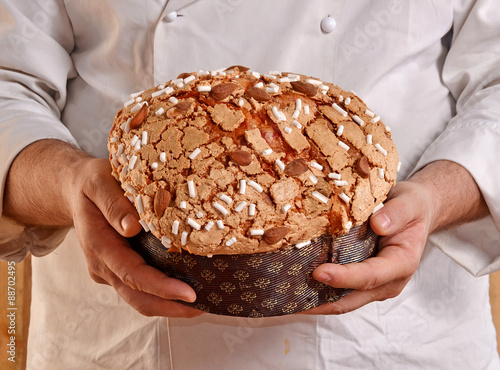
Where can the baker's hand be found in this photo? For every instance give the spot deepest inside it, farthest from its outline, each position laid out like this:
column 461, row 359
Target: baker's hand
column 404, row 224
column 442, row 194
column 103, row 217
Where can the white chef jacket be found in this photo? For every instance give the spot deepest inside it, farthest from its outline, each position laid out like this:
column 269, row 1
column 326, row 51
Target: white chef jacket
column 66, row 67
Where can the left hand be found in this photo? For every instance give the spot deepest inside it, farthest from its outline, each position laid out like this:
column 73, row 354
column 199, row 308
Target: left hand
column 440, row 195
column 404, row 224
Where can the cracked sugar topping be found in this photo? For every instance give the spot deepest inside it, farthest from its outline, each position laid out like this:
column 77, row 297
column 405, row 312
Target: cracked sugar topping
column 233, row 161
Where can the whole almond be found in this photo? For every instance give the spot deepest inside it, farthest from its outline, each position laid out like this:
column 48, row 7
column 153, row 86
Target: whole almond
column 258, row 94
column 304, row 88
column 275, row 234
column 183, row 75
column 183, row 106
column 241, row 157
column 296, row 167
column 222, row 90
column 363, row 167
column 161, row 202
column 240, row 68
column 139, row 117
column 179, row 109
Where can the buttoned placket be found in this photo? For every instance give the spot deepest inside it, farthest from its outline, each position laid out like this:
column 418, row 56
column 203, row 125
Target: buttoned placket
column 172, row 20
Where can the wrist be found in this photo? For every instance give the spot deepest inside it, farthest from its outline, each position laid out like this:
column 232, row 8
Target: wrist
column 39, row 182
column 453, row 195
column 428, row 199
column 78, row 175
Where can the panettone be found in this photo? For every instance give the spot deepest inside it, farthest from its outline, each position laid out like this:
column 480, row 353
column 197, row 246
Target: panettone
column 237, row 162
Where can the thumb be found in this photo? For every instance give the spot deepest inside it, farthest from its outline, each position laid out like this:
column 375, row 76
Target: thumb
column 108, row 196
column 398, row 212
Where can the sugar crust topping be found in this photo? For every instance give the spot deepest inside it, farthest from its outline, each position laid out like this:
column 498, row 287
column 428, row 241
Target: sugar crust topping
column 234, row 161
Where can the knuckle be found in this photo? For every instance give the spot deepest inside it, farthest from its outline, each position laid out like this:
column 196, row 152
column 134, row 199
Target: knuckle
column 143, row 310
column 411, row 266
column 371, row 280
column 336, row 309
column 97, row 278
column 113, row 207
column 371, row 283
column 96, row 273
column 408, row 259
column 128, row 279
column 391, row 291
column 366, row 286
column 91, row 181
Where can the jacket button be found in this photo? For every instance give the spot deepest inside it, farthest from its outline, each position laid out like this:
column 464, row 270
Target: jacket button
column 328, row 24
column 170, row 17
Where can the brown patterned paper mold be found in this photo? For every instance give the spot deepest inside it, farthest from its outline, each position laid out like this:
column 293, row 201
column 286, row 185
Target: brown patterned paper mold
column 262, row 284
column 232, row 162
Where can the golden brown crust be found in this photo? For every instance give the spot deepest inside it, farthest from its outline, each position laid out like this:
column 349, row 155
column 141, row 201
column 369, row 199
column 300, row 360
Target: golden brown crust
column 237, row 162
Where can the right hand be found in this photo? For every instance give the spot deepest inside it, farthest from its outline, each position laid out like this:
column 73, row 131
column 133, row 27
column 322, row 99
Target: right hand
column 103, row 217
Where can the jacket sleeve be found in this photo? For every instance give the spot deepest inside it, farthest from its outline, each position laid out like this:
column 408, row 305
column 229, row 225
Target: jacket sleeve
column 472, row 137
column 36, row 40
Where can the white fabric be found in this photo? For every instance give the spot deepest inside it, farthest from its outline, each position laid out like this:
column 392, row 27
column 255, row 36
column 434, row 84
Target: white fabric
column 77, row 61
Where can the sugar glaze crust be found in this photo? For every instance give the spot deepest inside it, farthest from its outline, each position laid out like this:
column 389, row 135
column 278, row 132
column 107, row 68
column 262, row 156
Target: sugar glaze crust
column 236, row 162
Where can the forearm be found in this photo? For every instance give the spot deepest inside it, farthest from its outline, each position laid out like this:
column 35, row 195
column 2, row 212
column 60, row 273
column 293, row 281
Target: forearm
column 37, row 184
column 453, row 193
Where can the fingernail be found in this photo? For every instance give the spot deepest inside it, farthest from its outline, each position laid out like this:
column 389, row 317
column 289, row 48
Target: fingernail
column 128, row 221
column 383, row 220
column 189, row 298
column 323, row 278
